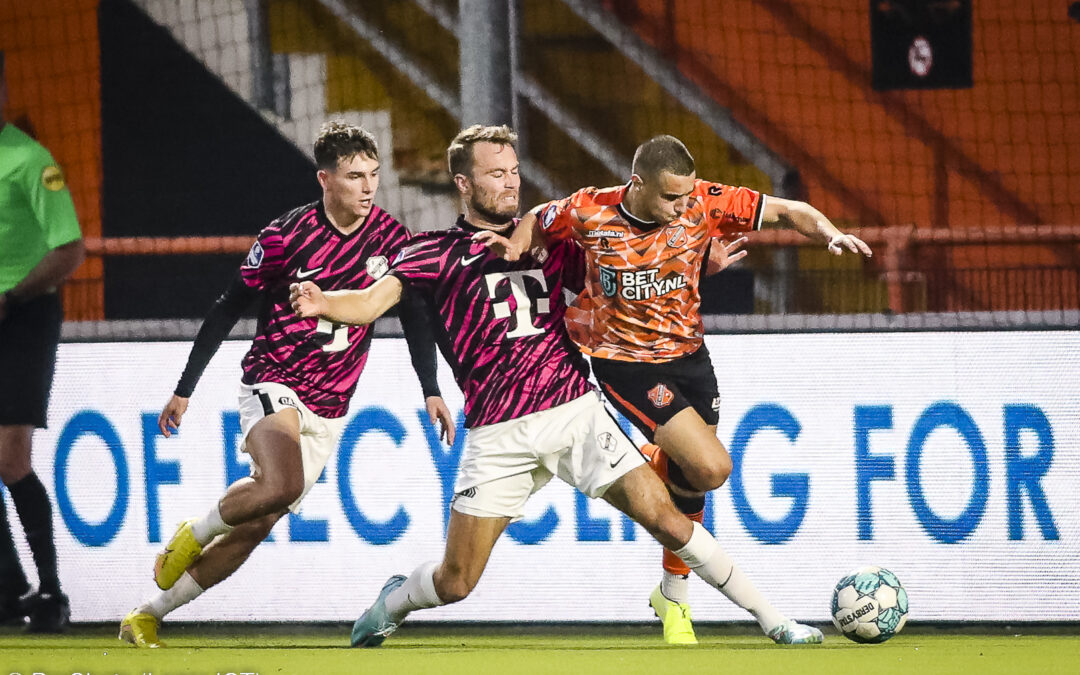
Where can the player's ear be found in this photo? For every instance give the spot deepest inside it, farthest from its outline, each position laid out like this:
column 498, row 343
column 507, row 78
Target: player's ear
column 636, row 180
column 462, row 182
column 323, row 176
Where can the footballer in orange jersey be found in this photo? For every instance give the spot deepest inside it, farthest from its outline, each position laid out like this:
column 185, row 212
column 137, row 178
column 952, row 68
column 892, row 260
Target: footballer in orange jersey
column 645, row 245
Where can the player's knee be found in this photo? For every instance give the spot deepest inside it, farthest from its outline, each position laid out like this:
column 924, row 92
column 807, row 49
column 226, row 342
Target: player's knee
column 711, row 473
column 283, row 491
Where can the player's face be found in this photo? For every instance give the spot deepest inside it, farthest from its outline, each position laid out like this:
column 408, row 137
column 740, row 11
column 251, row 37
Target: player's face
column 494, row 190
column 350, row 188
column 667, row 196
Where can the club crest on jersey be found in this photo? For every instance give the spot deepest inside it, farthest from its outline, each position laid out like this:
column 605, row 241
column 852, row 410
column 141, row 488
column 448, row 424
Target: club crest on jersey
column 676, row 237
column 660, row 396
column 254, row 256
column 609, row 281
column 548, row 216
column 377, row 266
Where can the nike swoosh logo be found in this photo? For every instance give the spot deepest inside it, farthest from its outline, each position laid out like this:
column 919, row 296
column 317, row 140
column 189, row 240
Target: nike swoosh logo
column 470, row 260
column 616, row 462
column 304, row 274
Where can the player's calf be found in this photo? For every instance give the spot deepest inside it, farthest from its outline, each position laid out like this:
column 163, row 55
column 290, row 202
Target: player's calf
column 453, row 584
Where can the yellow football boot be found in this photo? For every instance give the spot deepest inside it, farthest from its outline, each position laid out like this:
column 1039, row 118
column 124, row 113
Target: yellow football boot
column 179, row 553
column 140, row 629
column 678, row 625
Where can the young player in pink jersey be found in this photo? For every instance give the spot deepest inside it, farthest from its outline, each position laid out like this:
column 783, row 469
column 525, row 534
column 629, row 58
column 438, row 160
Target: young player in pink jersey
column 298, row 375
column 531, row 412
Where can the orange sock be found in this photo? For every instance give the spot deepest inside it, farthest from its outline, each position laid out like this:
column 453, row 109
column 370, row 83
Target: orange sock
column 658, row 460
column 672, row 562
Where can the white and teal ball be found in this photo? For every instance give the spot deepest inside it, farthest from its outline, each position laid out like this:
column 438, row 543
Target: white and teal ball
column 869, row 605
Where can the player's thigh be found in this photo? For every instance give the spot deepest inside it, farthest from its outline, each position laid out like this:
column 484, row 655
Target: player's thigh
column 469, row 540
column 274, row 445
column 693, row 446
column 584, row 446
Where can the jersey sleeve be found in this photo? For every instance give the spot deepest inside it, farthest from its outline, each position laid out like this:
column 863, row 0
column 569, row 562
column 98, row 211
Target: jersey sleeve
column 557, row 218
column 730, row 210
column 264, row 267
column 420, row 264
column 50, row 199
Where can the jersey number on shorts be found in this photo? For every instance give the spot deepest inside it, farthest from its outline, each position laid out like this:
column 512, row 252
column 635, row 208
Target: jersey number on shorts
column 526, row 304
column 333, row 337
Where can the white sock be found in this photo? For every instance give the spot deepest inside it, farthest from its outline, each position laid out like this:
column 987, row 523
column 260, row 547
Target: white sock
column 183, row 591
column 704, row 555
column 675, row 587
column 209, row 526
column 418, row 592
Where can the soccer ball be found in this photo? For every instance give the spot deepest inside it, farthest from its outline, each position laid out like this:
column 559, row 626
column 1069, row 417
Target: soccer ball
column 869, row 605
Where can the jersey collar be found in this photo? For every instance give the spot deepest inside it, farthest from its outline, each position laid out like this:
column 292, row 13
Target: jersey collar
column 630, row 218
column 469, row 227
column 324, row 220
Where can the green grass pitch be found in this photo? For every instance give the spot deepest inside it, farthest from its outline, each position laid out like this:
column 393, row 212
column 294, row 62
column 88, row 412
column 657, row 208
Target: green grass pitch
column 480, row 650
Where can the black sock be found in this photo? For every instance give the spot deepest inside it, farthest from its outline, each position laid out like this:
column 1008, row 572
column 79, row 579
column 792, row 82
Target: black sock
column 13, row 581
column 35, row 512
column 689, row 505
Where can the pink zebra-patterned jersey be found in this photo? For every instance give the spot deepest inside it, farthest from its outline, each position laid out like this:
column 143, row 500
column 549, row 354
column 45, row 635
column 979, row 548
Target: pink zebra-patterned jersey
column 498, row 324
column 317, row 359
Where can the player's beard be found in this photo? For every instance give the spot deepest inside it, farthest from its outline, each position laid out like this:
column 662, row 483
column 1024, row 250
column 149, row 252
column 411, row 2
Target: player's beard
column 490, row 213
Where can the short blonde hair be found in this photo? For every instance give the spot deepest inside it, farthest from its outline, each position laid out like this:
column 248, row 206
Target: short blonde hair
column 460, row 153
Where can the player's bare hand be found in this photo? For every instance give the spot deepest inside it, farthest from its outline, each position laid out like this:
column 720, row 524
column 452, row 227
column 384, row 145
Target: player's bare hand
column 498, row 244
column 437, row 411
column 723, row 254
column 307, row 299
column 849, row 242
column 169, row 419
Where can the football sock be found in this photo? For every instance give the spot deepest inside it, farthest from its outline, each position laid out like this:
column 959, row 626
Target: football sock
column 13, row 581
column 209, row 526
column 183, row 591
column 704, row 555
column 418, row 592
column 694, row 508
column 675, row 587
column 35, row 513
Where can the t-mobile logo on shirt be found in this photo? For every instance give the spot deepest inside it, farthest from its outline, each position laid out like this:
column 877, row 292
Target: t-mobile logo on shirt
column 522, row 314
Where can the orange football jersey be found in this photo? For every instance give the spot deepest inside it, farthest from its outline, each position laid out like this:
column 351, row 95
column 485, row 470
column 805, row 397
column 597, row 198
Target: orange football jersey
column 641, row 299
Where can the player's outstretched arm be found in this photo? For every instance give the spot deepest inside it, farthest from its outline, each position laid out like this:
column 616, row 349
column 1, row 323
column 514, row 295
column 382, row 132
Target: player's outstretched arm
column 810, row 222
column 525, row 237
column 346, row 307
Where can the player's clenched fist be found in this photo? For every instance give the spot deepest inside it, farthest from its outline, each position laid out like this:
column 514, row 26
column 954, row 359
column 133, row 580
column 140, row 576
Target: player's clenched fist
column 307, row 299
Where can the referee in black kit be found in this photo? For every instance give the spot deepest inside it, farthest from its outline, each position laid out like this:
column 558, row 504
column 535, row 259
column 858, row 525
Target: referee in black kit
column 40, row 247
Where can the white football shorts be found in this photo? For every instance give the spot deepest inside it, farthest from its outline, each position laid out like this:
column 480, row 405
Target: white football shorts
column 319, row 436
column 505, row 463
